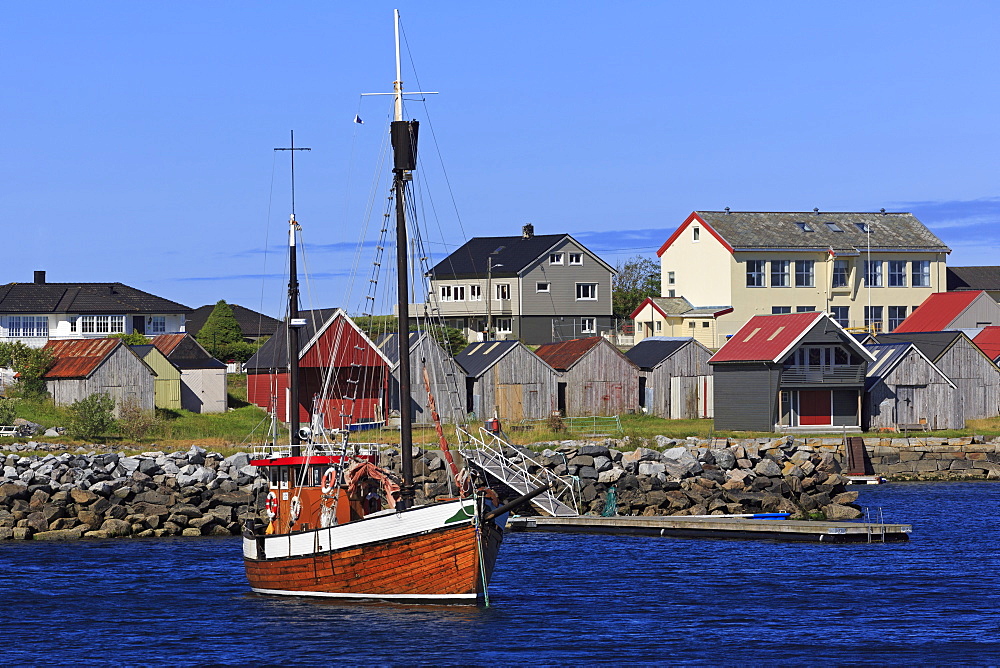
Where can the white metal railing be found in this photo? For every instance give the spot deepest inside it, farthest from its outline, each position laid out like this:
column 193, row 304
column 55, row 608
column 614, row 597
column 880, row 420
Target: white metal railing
column 486, row 451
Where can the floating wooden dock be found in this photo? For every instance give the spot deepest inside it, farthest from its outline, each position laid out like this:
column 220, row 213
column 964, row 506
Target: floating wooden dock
column 720, row 527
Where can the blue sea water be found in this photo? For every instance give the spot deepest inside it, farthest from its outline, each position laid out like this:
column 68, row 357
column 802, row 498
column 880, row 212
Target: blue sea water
column 556, row 599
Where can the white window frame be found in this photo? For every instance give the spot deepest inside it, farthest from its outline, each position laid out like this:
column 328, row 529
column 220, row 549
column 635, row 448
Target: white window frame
column 842, row 270
column 670, row 278
column 556, row 259
column 503, row 291
column 26, row 326
column 157, row 324
column 920, row 273
column 582, row 290
column 897, row 278
column 446, row 293
column 458, row 293
column 695, row 234
column 475, row 293
column 781, row 269
column 503, row 325
column 543, row 286
column 589, row 325
column 102, row 324
column 873, row 274
column 756, row 274
column 806, row 271
column 576, row 259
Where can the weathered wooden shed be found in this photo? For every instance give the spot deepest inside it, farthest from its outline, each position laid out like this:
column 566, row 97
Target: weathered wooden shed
column 167, row 386
column 675, row 380
column 330, row 346
column 903, row 387
column 447, row 378
column 203, row 378
column 507, row 379
column 788, row 372
column 594, row 377
column 98, row 366
column 965, row 364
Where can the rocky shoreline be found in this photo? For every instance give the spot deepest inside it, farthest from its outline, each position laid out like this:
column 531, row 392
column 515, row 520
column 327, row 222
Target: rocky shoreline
column 96, row 492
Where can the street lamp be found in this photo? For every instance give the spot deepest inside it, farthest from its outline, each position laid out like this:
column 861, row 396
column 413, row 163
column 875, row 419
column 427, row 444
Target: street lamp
column 489, row 294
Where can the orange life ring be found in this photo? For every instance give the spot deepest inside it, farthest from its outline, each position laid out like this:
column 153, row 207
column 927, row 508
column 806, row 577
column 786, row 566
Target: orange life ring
column 329, row 480
column 271, row 505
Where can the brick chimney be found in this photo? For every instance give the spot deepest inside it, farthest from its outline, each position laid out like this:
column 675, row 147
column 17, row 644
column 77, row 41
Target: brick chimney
column 40, row 277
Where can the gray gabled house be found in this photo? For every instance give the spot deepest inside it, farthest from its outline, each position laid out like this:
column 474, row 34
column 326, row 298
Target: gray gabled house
column 675, row 380
column 536, row 288
column 505, row 379
column 975, row 374
column 903, row 387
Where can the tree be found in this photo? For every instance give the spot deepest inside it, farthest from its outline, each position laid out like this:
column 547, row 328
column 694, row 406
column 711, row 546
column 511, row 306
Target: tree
column 31, row 364
column 91, row 417
column 133, row 339
column 637, row 278
column 220, row 331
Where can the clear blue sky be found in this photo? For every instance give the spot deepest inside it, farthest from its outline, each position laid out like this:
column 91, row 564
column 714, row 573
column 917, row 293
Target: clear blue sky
column 137, row 137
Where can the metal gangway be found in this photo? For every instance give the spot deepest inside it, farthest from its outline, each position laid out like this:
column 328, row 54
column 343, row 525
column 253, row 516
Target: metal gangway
column 485, row 452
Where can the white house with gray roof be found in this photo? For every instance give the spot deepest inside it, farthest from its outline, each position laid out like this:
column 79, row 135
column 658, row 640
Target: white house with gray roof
column 865, row 269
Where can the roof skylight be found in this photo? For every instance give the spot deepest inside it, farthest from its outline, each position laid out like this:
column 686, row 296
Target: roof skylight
column 834, row 227
column 805, row 227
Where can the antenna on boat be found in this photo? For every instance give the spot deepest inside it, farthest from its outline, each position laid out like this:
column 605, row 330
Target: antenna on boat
column 294, row 322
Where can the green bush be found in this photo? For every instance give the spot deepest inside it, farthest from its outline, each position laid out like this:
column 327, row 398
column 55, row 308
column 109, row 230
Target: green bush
column 31, row 364
column 133, row 339
column 91, row 417
column 8, row 413
column 134, row 422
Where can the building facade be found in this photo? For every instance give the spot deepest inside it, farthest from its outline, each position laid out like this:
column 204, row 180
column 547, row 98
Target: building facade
column 37, row 312
column 536, row 288
column 868, row 270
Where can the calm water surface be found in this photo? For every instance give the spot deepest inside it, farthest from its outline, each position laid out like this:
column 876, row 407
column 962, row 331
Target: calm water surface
column 556, row 599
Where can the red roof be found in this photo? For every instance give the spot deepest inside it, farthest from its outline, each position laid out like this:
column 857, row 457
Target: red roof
column 938, row 312
column 766, row 338
column 564, row 354
column 988, row 341
column 690, row 219
column 78, row 358
column 166, row 343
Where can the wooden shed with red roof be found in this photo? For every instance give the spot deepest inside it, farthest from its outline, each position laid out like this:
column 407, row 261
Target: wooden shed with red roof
column 787, row 372
column 594, row 377
column 952, row 310
column 98, row 366
column 330, row 344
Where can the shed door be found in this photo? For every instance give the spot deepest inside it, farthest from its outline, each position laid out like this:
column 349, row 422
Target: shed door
column 706, row 396
column 685, row 401
column 907, row 411
column 509, row 402
column 815, row 407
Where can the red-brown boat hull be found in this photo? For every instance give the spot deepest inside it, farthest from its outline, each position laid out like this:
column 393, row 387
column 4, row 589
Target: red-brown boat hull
column 442, row 565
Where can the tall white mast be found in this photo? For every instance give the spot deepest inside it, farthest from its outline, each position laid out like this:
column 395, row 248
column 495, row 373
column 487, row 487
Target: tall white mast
column 397, row 85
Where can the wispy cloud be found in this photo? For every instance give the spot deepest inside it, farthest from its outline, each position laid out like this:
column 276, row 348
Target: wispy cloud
column 638, row 241
column 261, row 277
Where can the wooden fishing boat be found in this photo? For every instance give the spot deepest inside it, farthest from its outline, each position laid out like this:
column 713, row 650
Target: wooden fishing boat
column 327, row 533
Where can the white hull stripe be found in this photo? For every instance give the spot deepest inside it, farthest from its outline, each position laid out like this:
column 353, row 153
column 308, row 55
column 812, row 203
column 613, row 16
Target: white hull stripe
column 384, row 597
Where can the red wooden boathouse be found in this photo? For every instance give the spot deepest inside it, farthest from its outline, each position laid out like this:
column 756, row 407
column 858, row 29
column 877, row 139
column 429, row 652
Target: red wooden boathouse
column 331, row 342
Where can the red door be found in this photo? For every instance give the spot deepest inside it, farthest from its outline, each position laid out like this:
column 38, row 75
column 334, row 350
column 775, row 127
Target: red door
column 815, row 407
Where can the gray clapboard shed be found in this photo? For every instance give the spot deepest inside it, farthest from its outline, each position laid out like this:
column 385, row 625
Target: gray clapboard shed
column 903, row 387
column 447, row 378
column 99, row 366
column 975, row 374
column 505, row 377
column 595, row 378
column 675, row 380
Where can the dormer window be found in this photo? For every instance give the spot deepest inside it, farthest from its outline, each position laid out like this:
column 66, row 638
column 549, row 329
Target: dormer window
column 834, row 227
column 555, row 258
column 805, row 227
